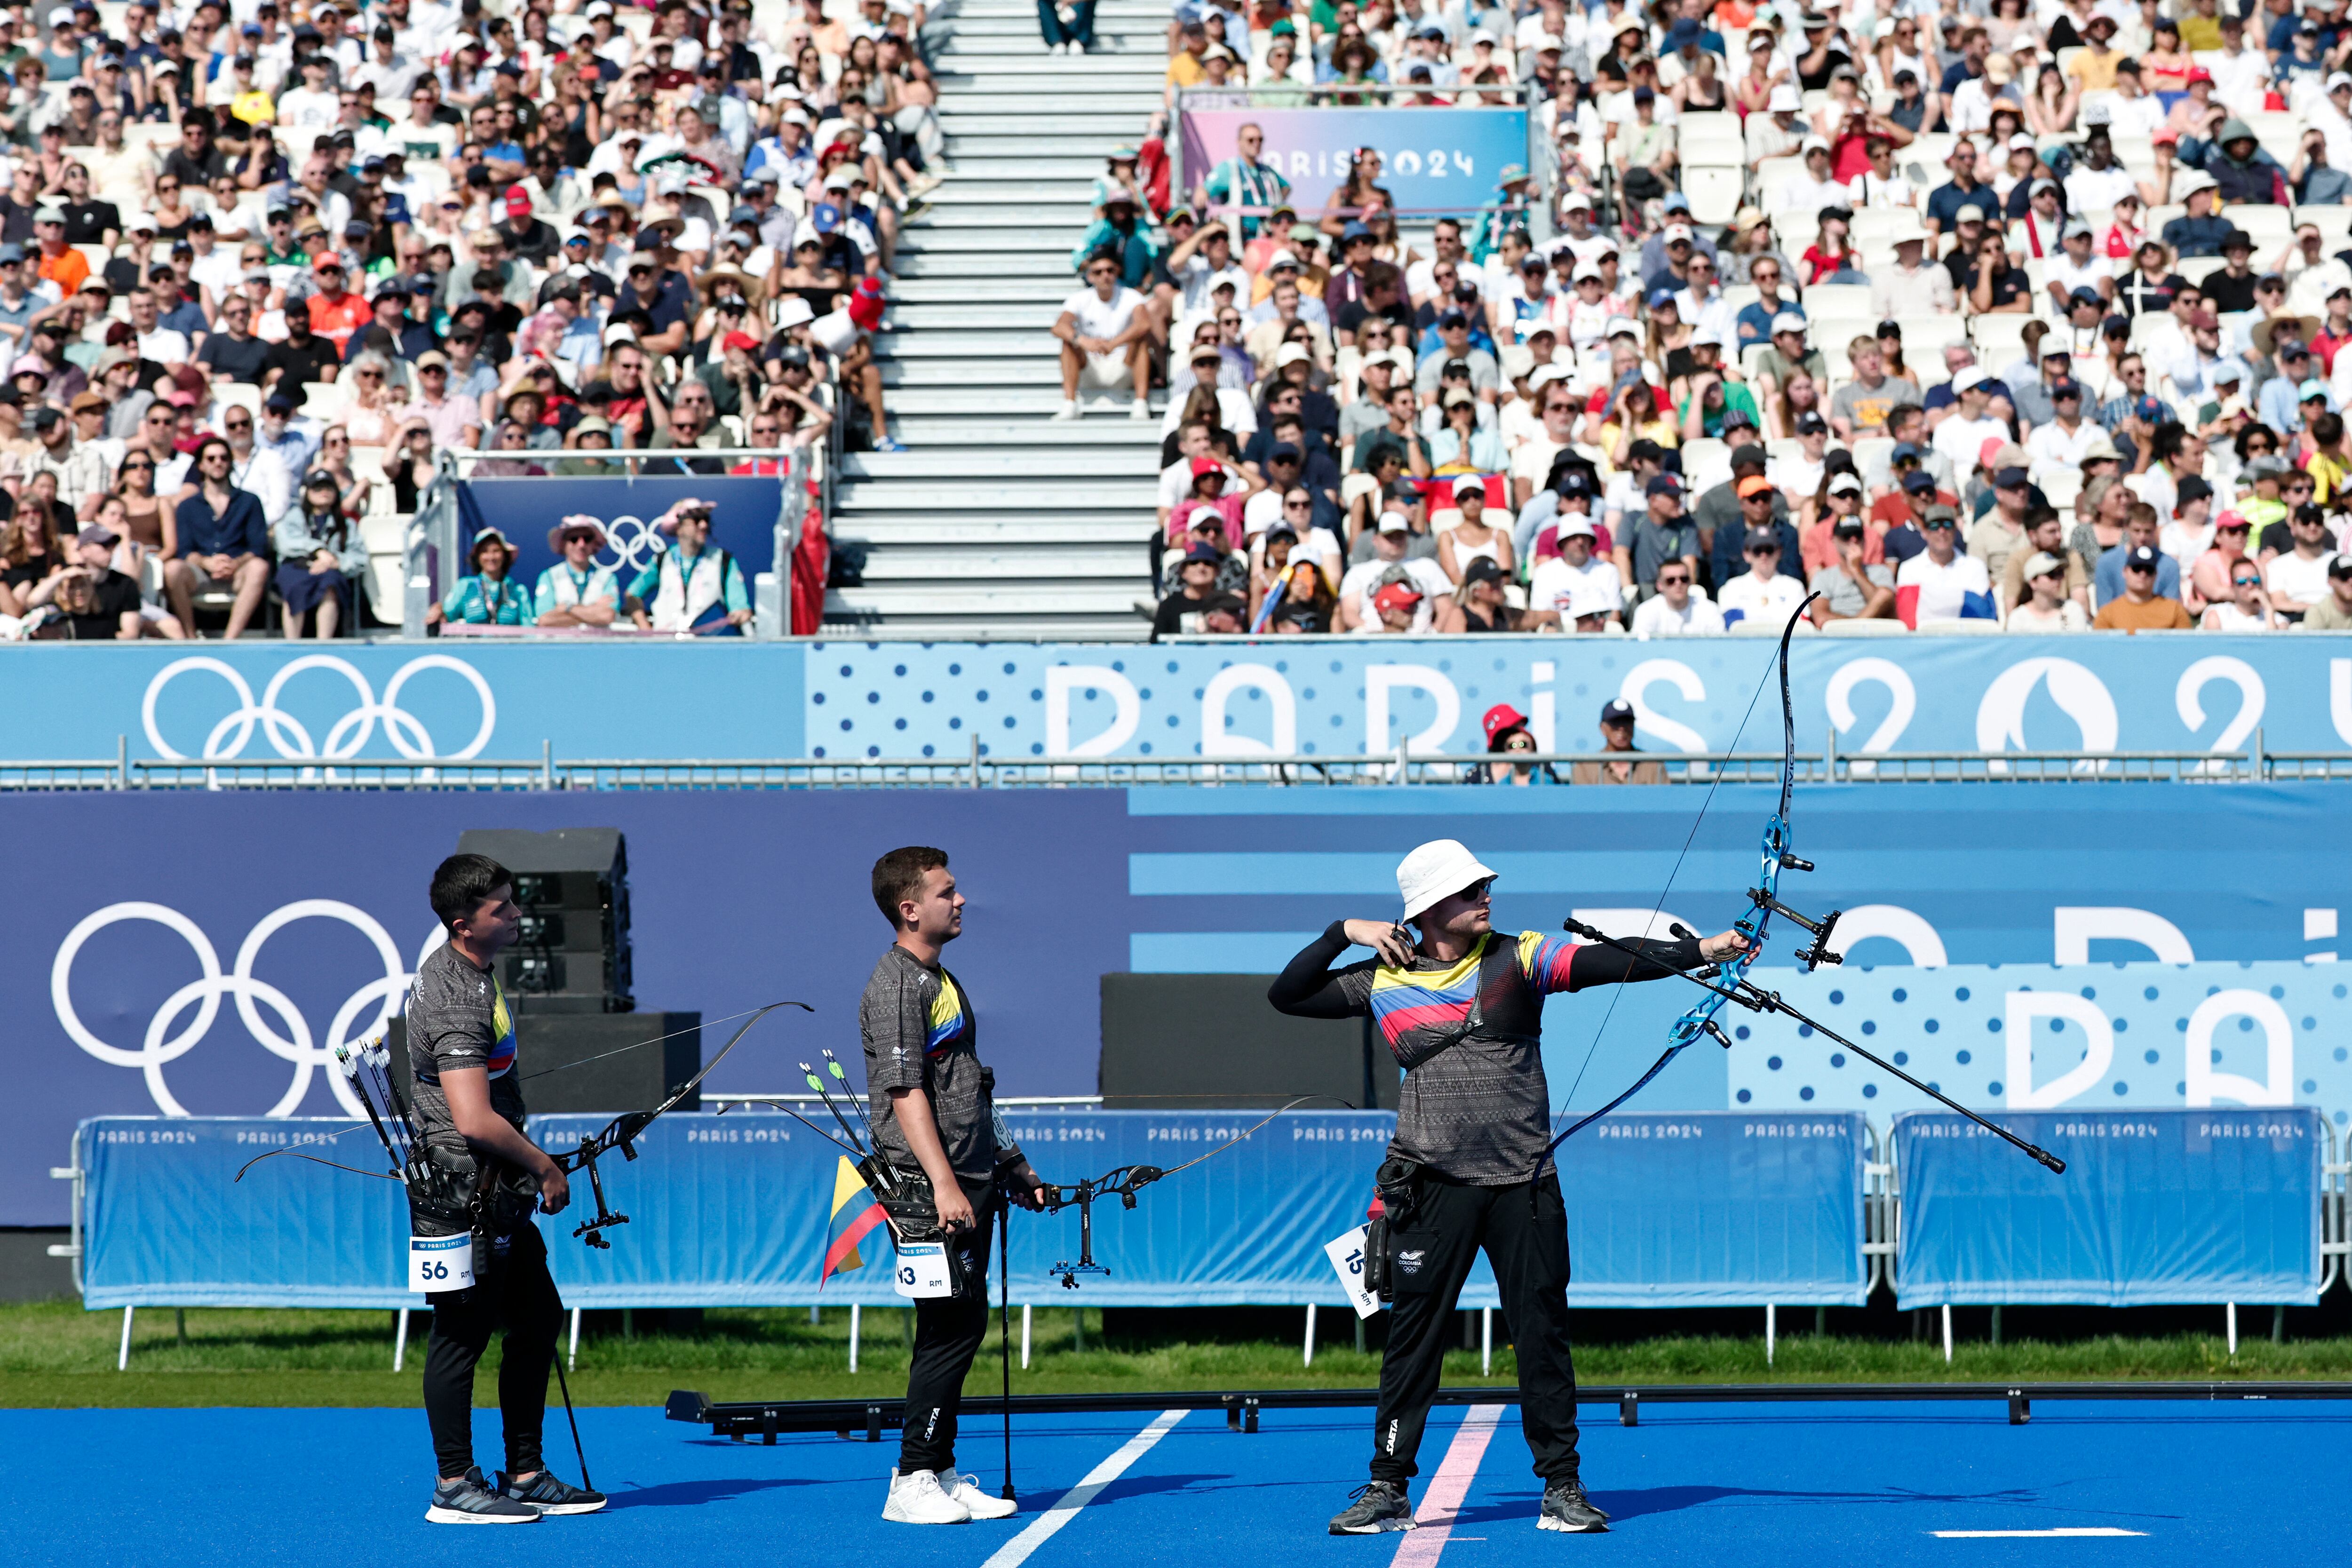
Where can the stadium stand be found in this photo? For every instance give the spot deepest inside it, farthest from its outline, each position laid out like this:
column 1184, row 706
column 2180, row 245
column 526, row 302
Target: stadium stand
column 1927, row 263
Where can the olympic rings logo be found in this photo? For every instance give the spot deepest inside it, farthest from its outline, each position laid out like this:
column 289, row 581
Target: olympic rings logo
column 287, row 734
column 634, row 544
column 364, row 1012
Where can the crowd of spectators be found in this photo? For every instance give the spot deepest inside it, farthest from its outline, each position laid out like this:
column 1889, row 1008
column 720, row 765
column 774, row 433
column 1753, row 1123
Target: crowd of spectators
column 2023, row 314
column 263, row 264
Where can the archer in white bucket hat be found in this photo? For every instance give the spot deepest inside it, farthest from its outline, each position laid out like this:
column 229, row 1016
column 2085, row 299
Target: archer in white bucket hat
column 1469, row 1167
column 1438, row 868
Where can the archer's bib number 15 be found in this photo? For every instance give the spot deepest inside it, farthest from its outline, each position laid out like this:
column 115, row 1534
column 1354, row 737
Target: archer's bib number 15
column 923, row 1271
column 440, row 1262
column 1347, row 1256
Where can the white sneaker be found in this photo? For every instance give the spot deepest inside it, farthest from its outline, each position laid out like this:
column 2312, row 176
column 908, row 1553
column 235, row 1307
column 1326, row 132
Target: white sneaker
column 1053, row 49
column 917, row 1498
column 965, row 1489
column 1140, row 409
column 1070, row 410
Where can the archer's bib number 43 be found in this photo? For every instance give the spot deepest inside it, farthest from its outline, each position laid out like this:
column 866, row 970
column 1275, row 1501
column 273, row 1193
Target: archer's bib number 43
column 440, row 1262
column 923, row 1270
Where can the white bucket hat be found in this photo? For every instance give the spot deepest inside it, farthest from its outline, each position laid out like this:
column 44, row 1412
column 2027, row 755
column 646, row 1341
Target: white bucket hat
column 1438, row 870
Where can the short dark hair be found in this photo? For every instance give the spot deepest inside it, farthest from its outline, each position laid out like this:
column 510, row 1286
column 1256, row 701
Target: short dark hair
column 461, row 882
column 899, row 875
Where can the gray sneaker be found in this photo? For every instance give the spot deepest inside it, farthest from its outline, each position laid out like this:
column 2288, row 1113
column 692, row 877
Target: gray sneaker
column 471, row 1501
column 1379, row 1506
column 549, row 1495
column 1566, row 1508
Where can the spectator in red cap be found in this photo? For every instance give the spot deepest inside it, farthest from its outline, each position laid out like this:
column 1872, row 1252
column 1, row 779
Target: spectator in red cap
column 1507, row 736
column 531, row 238
column 1399, row 607
column 733, row 379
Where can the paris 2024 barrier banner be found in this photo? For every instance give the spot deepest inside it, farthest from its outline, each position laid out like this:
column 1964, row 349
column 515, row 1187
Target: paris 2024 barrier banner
column 733, row 698
column 195, row 952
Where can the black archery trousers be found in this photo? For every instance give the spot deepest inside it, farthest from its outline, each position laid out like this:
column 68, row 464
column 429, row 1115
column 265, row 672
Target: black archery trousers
column 947, row 1332
column 1524, row 1229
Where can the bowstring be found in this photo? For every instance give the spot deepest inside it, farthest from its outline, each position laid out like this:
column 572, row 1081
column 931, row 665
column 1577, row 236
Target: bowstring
column 1616, row 993
column 657, row 1039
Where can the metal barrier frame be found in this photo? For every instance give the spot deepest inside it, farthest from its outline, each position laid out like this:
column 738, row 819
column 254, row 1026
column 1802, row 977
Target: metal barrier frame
column 976, row 771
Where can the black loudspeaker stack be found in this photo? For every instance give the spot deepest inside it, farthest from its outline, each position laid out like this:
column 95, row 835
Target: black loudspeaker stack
column 573, row 886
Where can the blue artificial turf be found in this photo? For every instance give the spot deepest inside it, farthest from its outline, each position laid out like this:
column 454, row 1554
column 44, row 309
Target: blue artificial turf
column 1775, row 1487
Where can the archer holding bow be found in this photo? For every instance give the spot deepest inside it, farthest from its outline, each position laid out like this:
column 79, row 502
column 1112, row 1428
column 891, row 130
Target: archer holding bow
column 1469, row 1167
column 468, row 1112
column 933, row 1109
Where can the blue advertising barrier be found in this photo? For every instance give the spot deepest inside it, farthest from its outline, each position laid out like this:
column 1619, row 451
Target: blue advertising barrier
column 1432, row 160
column 2156, row 1207
column 1342, row 697
column 297, row 917
column 742, row 520
column 165, row 1222
column 1662, row 1211
column 1369, row 696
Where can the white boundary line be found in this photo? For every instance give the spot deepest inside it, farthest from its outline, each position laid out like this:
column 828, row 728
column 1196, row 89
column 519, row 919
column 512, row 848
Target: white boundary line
column 1042, row 1528
column 2104, row 1531
column 1447, row 1490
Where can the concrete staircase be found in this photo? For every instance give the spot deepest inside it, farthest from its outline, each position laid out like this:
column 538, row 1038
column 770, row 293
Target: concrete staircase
column 996, row 522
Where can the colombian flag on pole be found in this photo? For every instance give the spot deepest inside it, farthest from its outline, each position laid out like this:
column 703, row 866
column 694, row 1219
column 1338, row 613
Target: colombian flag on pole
column 855, row 1214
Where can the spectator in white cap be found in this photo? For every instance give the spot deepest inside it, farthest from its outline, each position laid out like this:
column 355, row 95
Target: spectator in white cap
column 1787, row 354
column 1963, row 433
column 577, row 592
column 1391, row 563
column 1777, row 133
column 1578, row 238
column 1474, row 538
column 1583, row 313
column 1576, row 580
column 1913, row 287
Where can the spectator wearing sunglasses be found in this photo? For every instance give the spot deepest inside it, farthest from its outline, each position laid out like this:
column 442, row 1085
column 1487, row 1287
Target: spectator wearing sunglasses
column 2248, row 608
column 1508, row 739
column 1679, row 609
column 2142, row 608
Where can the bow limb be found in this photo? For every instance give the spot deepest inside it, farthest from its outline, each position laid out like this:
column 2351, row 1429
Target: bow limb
column 1700, row 1018
column 623, row 1130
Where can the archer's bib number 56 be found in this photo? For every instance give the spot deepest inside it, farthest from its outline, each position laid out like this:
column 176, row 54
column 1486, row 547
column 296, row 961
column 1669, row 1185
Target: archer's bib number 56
column 923, row 1270
column 440, row 1262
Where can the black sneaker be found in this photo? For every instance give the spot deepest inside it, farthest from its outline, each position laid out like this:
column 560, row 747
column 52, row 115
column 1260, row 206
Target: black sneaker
column 549, row 1495
column 1379, row 1506
column 471, row 1501
column 1565, row 1507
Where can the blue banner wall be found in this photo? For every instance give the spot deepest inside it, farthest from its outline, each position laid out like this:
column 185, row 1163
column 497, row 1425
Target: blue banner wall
column 1674, row 1210
column 2156, row 1207
column 1369, row 695
column 743, row 520
column 1339, row 697
column 1231, row 699
column 501, row 701
column 202, row 953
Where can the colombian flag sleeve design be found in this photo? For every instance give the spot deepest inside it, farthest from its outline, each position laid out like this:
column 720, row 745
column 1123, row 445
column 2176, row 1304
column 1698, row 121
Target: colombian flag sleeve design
column 854, row 1215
